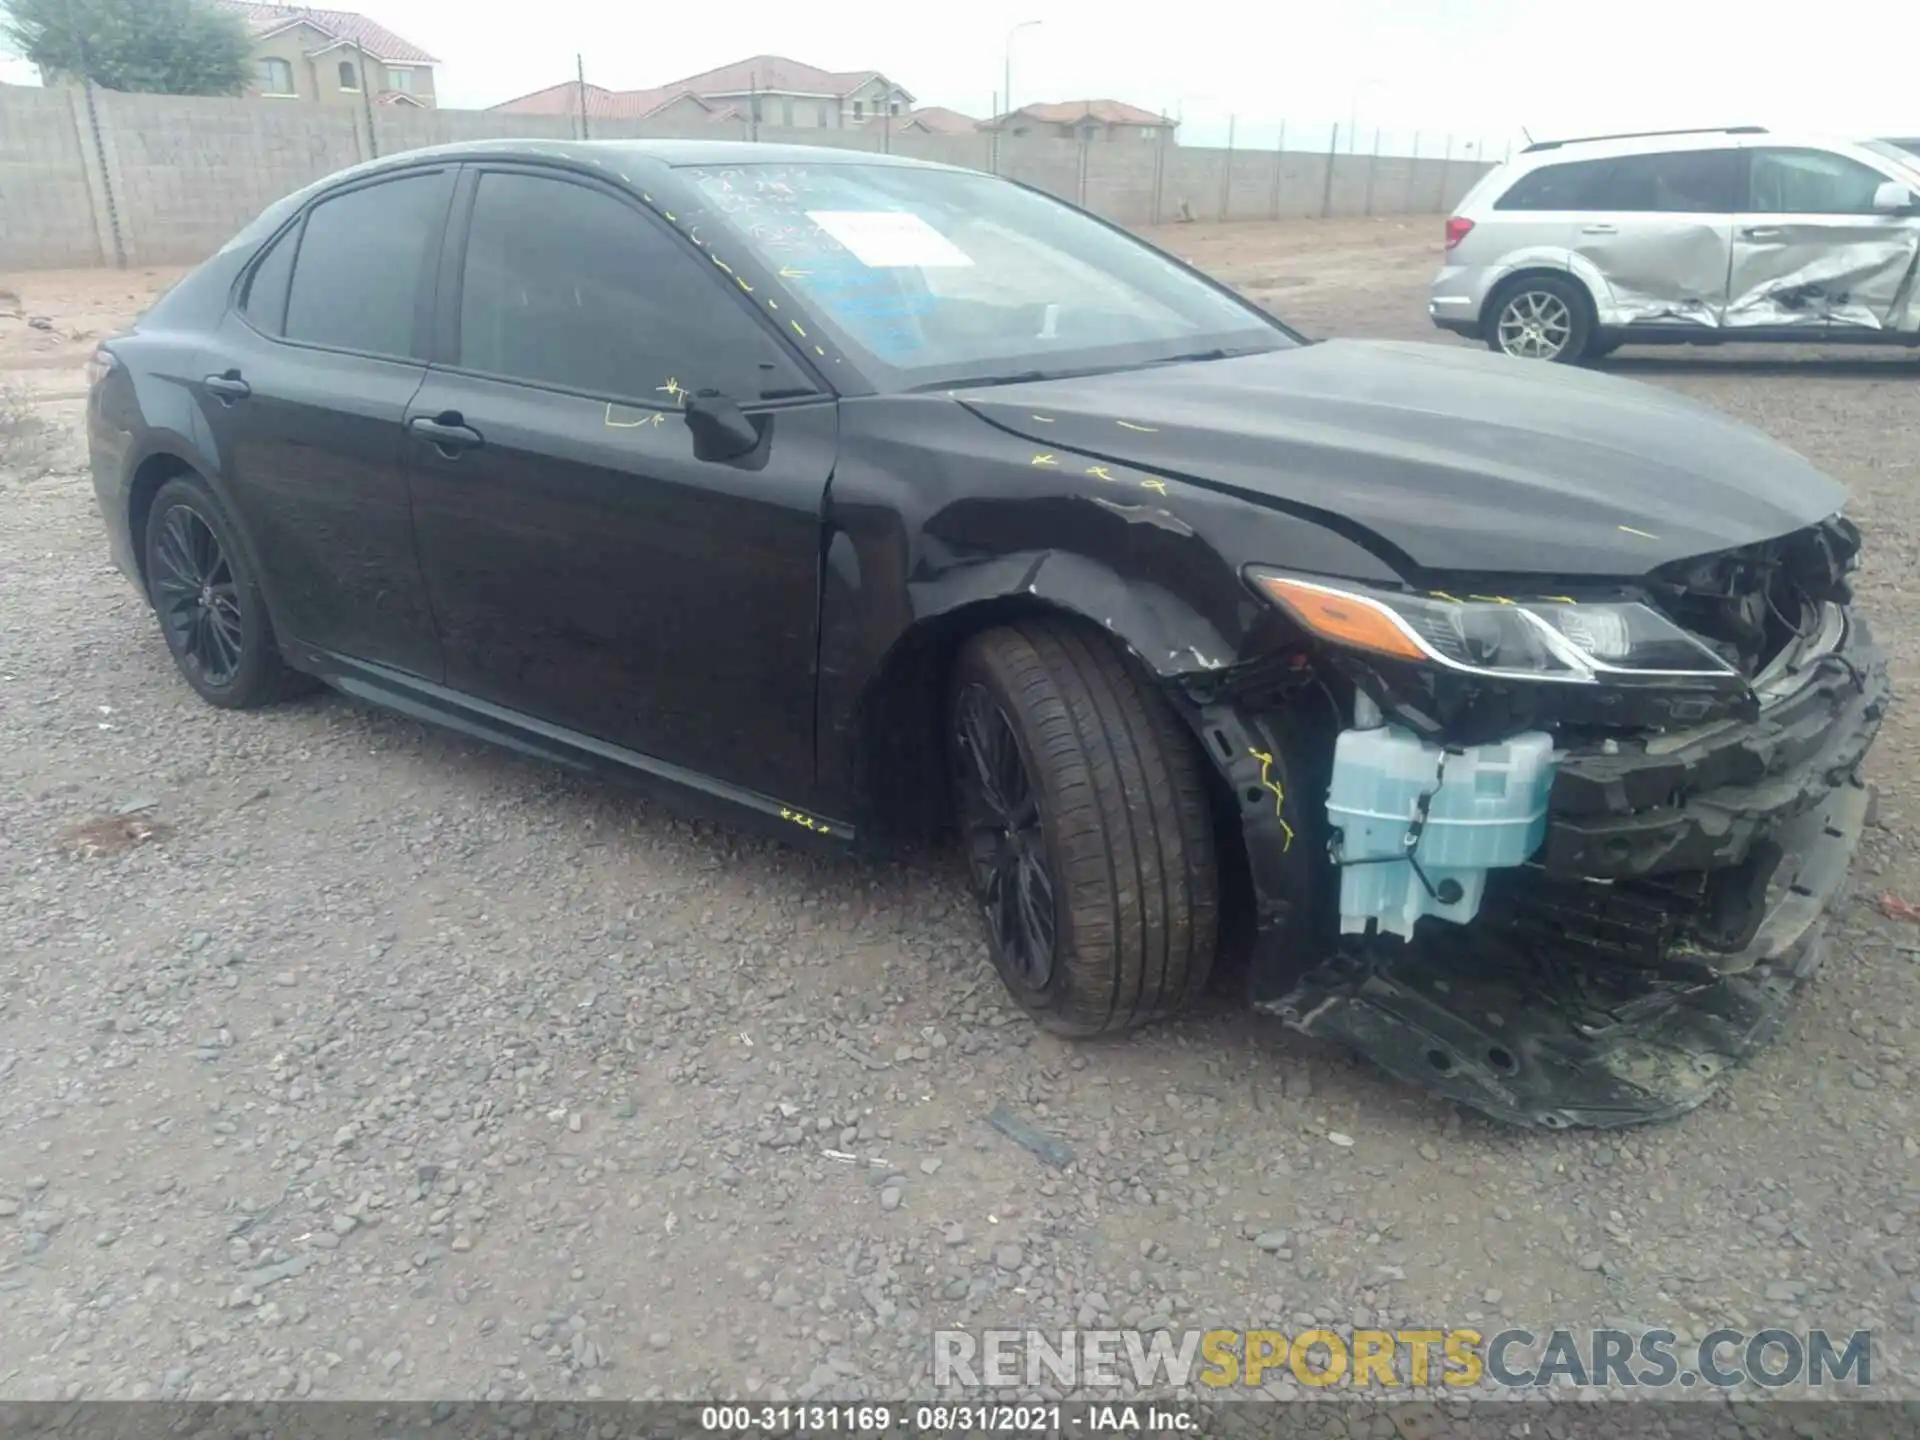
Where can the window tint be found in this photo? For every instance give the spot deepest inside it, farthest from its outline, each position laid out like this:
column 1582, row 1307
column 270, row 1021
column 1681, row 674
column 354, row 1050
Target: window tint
column 1676, row 181
column 1573, row 186
column 265, row 305
column 356, row 281
column 568, row 286
column 1810, row 182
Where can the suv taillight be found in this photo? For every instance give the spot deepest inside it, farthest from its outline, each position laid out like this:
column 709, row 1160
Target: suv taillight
column 1457, row 229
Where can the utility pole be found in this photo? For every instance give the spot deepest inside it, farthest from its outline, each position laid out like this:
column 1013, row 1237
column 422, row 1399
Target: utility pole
column 580, row 83
column 366, row 100
column 1006, row 88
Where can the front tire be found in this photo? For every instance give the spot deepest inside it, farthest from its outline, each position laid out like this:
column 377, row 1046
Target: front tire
column 1088, row 834
column 209, row 603
column 1541, row 317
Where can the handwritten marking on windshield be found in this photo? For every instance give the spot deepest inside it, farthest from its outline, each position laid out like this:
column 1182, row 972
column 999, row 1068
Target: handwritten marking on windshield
column 656, row 418
column 674, row 390
column 1143, row 429
column 797, row 330
column 1042, row 419
column 1045, row 459
column 1159, row 487
column 787, row 272
column 1629, row 530
column 1099, row 472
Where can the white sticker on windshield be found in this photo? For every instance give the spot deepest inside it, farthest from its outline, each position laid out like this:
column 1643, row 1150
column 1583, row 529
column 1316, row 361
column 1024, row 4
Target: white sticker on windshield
column 889, row 239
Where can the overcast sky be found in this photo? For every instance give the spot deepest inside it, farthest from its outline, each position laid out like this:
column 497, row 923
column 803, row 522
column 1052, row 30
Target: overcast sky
column 1471, row 67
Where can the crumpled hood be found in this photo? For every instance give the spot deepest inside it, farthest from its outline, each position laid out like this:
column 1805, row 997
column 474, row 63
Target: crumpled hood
column 1462, row 460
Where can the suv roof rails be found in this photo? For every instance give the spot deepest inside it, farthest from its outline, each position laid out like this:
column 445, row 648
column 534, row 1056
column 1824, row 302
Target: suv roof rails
column 1646, row 135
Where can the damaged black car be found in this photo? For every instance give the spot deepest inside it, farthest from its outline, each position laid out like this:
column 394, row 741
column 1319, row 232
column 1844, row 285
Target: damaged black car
column 1504, row 723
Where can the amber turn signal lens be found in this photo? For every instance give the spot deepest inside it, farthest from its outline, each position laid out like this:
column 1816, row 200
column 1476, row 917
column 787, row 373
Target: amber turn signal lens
column 1342, row 619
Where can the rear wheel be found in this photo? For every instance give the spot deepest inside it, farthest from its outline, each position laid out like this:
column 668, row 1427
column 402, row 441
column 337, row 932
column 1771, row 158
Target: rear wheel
column 1541, row 317
column 1088, row 835
column 209, row 603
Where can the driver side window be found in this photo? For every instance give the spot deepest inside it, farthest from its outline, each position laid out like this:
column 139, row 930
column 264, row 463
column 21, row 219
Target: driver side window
column 1810, row 182
column 568, row 287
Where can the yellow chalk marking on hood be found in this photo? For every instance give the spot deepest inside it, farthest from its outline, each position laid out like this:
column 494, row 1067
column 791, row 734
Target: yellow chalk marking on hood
column 1157, row 486
column 1143, row 429
column 1629, row 530
column 1045, row 459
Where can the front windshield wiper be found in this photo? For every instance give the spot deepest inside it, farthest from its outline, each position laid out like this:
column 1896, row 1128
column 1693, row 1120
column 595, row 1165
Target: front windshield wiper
column 1017, row 377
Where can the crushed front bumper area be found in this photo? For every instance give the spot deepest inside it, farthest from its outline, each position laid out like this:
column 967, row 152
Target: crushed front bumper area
column 1655, row 941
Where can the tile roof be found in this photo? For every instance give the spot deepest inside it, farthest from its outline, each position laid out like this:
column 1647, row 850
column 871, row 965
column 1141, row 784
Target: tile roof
column 1108, row 112
column 564, row 99
column 340, row 26
column 777, row 73
column 942, row 121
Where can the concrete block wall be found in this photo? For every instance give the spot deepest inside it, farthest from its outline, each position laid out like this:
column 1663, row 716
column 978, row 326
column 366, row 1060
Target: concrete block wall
column 47, row 210
column 171, row 178
column 188, row 171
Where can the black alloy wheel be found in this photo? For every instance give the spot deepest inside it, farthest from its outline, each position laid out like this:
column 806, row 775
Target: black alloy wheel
column 1000, row 818
column 209, row 603
column 195, row 594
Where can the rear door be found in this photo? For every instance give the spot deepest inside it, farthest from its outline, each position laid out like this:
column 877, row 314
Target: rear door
column 1536, row 220
column 1659, row 237
column 306, row 391
column 1810, row 251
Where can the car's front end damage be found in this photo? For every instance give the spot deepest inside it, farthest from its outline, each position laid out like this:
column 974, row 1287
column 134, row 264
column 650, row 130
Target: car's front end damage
column 1583, row 844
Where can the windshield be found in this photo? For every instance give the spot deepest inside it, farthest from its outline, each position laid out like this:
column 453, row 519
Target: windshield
column 933, row 277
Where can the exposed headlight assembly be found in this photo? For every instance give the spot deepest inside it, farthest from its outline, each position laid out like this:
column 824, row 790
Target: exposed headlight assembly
column 1551, row 640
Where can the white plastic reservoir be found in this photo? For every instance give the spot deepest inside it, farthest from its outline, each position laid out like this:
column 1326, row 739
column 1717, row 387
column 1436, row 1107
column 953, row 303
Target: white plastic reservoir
column 1488, row 808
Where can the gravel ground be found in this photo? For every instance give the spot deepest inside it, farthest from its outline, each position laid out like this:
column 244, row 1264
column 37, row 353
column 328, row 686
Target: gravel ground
column 344, row 1057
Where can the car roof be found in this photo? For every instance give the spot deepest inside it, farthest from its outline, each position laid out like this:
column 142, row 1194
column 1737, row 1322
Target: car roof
column 649, row 154
column 1728, row 137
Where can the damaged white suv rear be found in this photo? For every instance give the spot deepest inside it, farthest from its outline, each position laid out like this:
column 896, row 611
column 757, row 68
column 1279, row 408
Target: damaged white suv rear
column 1704, row 237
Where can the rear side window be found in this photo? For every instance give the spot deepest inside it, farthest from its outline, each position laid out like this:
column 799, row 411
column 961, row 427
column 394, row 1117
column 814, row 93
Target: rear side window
column 1573, row 185
column 265, row 305
column 569, row 287
column 358, row 278
column 1691, row 182
column 1810, row 182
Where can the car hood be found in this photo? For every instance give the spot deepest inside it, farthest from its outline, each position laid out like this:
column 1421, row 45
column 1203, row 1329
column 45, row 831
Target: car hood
column 1459, row 460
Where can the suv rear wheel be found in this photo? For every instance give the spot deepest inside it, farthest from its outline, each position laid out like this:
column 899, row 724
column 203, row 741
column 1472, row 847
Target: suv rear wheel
column 1088, row 833
column 1541, row 317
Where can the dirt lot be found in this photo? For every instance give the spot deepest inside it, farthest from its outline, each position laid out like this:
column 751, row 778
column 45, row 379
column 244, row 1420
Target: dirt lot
column 356, row 1059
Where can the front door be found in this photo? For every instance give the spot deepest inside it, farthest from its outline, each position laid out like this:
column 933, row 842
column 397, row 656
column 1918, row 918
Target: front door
column 1810, row 251
column 585, row 567
column 1658, row 235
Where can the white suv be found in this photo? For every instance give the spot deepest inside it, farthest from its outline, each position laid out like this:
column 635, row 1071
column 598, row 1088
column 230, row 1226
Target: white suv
column 1576, row 247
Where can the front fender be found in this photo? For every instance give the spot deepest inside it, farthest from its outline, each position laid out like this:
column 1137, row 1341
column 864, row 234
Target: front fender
column 939, row 523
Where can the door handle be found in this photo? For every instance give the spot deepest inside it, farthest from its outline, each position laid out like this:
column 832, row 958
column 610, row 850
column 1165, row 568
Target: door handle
column 447, row 433
column 229, row 387
column 1761, row 232
column 1599, row 230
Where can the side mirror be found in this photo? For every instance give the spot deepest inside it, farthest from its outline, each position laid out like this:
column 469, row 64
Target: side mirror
column 1892, row 198
column 721, row 431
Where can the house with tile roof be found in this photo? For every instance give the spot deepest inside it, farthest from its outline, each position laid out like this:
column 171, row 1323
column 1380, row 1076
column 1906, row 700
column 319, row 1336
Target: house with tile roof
column 1084, row 120
column 332, row 57
column 939, row 120
column 767, row 89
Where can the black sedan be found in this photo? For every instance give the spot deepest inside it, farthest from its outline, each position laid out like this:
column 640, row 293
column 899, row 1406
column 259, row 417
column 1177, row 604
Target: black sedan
column 1510, row 717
